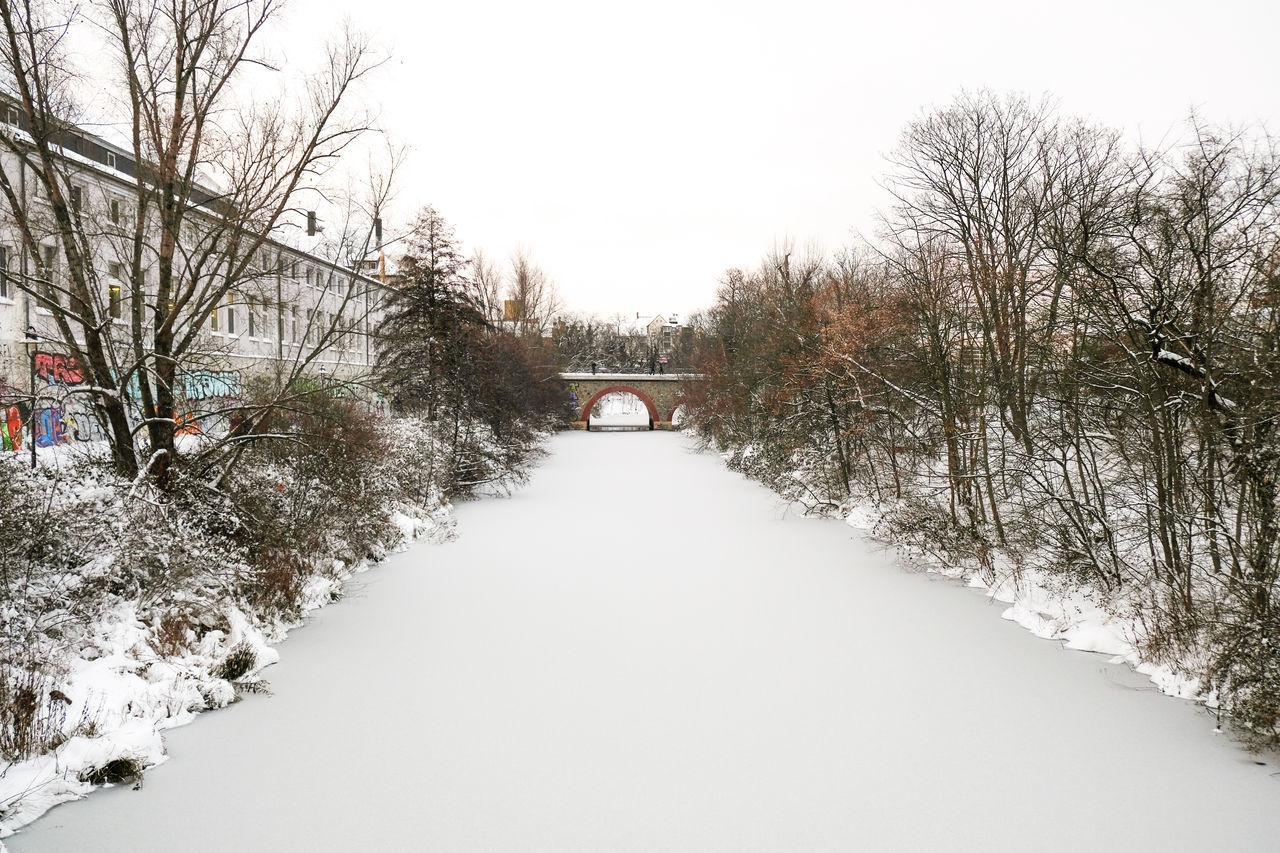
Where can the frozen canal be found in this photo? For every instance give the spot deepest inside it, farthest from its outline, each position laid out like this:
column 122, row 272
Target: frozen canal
column 643, row 652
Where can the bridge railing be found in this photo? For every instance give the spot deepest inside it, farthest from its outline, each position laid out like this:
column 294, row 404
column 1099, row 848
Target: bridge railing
column 631, row 377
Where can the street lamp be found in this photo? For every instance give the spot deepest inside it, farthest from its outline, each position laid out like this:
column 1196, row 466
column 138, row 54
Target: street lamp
column 31, row 341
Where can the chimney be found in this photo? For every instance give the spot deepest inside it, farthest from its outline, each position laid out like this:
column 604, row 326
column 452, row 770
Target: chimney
column 311, row 223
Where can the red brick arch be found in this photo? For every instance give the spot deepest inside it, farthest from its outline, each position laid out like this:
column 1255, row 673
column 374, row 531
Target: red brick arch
column 625, row 389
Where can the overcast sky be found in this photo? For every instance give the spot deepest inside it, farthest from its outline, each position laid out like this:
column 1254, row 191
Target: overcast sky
column 638, row 150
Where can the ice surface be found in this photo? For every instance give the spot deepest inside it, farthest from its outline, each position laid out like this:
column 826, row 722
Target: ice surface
column 642, row 651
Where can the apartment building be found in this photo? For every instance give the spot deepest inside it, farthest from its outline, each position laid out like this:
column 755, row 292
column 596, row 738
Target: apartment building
column 280, row 305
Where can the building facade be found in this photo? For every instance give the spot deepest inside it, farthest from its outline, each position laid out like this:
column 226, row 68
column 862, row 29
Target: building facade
column 278, row 309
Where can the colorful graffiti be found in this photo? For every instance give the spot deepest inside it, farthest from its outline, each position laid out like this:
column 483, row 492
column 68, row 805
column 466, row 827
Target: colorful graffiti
column 50, row 428
column 59, row 369
column 211, row 389
column 199, row 385
column 63, row 416
column 11, row 428
column 206, row 384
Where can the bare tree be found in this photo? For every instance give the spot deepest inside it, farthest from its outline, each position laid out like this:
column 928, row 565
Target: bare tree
column 211, row 186
column 488, row 285
column 533, row 297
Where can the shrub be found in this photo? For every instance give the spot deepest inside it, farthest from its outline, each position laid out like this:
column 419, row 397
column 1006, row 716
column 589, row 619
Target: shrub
column 1245, row 671
column 32, row 714
column 276, row 578
column 239, row 661
column 172, row 633
column 114, row 772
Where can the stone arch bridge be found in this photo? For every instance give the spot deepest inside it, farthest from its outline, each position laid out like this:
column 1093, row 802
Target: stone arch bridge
column 660, row 393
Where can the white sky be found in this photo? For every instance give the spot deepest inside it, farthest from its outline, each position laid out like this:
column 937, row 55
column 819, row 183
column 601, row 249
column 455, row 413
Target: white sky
column 640, row 150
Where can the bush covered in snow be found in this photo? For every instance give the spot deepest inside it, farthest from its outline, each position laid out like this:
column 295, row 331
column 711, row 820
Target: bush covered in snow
column 127, row 609
column 1061, row 363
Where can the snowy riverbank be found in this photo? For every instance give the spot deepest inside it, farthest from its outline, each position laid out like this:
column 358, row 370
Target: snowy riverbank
column 122, row 694
column 127, row 611
column 1072, row 617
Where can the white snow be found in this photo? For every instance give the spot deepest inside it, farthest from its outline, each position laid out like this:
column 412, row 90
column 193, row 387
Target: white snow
column 642, row 651
column 124, row 695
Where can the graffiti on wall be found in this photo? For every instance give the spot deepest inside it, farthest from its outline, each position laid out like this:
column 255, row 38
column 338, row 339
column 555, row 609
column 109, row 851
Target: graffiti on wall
column 205, row 390
column 208, row 384
column 59, row 369
column 63, row 416
column 11, row 428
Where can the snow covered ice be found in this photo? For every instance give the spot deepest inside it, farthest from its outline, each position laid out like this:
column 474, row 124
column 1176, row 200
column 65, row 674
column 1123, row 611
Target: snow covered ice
column 642, row 651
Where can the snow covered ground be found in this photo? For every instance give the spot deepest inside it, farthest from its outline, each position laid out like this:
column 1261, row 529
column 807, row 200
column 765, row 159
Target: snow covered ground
column 643, row 651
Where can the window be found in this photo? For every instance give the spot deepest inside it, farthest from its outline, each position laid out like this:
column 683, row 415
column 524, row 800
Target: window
column 253, row 319
column 261, row 311
column 49, row 289
column 293, row 317
column 213, row 319
column 115, row 210
column 77, row 198
column 113, row 291
column 11, row 116
column 4, row 272
column 231, row 314
column 311, row 277
column 111, row 160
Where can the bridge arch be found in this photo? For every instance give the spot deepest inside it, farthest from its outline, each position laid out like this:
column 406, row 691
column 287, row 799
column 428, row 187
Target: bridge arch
column 585, row 415
column 661, row 394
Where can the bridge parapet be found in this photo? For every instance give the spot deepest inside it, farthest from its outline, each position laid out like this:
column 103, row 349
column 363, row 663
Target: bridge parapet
column 637, row 377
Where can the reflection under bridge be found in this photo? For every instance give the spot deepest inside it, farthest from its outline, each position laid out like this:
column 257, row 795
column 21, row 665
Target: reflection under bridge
column 661, row 393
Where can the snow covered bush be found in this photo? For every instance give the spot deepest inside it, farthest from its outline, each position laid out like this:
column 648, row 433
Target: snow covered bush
column 241, row 660
column 49, row 589
column 127, row 609
column 199, row 573
column 32, row 712
column 1061, row 359
column 313, row 490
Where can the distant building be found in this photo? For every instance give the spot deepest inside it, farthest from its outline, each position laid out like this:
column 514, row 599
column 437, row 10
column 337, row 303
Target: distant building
column 658, row 331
